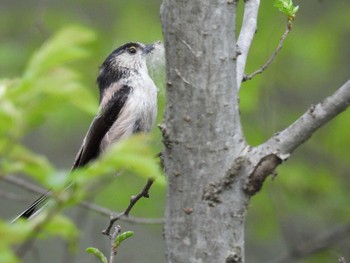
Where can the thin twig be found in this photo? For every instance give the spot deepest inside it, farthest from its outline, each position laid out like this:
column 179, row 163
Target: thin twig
column 130, row 219
column 114, row 235
column 87, row 205
column 24, row 184
column 133, row 200
column 246, row 35
column 274, row 54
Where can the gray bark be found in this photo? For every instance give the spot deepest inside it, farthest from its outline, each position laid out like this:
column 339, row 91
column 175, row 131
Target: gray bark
column 202, row 132
column 212, row 172
column 246, row 35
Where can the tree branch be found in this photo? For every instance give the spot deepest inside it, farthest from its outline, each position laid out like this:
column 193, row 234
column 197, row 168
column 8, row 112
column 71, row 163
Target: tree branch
column 133, row 201
column 114, row 235
column 90, row 206
column 274, row 54
column 130, row 219
column 246, row 35
column 278, row 148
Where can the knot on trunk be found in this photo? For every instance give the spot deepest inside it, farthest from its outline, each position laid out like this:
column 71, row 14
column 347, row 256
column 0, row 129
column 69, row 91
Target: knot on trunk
column 263, row 169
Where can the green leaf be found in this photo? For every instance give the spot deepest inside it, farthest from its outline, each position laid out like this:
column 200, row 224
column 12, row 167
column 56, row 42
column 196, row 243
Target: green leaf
column 46, row 83
column 132, row 154
column 66, row 88
column 22, row 160
column 98, row 254
column 287, row 7
column 63, row 227
column 7, row 256
column 120, row 238
column 59, row 226
column 66, row 45
column 13, row 233
column 10, row 115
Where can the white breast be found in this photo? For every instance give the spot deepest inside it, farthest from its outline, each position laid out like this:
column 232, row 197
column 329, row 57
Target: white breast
column 141, row 106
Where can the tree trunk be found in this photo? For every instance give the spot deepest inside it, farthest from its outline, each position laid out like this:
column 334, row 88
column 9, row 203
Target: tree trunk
column 206, row 204
column 212, row 171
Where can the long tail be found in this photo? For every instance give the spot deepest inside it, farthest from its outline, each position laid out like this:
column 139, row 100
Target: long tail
column 34, row 208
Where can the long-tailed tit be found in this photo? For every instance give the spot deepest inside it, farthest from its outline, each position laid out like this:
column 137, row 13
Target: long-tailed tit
column 128, row 105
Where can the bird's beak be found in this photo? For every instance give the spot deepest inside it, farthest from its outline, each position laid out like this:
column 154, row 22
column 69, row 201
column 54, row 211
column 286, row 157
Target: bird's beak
column 147, row 49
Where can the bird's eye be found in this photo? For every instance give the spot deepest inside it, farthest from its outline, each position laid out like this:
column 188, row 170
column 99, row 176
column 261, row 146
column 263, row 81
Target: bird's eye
column 132, row 50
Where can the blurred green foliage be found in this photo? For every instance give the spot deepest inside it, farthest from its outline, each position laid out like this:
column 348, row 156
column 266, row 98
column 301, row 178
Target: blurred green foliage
column 48, row 97
column 46, row 84
column 310, row 194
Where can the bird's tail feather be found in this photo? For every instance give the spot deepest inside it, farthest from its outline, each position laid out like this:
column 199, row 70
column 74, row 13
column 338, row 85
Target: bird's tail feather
column 33, row 208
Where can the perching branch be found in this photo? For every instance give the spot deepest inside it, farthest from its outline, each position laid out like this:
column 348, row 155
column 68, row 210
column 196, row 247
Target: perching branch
column 90, row 206
column 133, row 201
column 130, row 219
column 114, row 234
column 274, row 54
column 248, row 29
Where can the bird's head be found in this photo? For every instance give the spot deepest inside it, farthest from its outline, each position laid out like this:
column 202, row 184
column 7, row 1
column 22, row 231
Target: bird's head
column 127, row 59
column 131, row 56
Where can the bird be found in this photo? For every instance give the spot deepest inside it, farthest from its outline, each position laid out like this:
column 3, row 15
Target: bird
column 127, row 105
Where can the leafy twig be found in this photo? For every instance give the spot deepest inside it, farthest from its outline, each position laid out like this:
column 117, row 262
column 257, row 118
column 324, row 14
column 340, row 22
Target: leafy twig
column 287, row 7
column 133, row 201
column 246, row 35
column 273, row 56
column 116, row 240
column 114, row 235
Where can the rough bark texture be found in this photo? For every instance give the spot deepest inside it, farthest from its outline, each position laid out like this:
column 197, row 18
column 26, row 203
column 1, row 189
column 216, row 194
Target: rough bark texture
column 211, row 170
column 202, row 134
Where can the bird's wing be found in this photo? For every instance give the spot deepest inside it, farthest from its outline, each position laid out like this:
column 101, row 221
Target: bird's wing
column 100, row 126
column 91, row 145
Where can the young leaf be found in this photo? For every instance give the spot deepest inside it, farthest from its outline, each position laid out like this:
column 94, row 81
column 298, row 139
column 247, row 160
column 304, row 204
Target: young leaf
column 131, row 154
column 98, row 254
column 22, row 160
column 287, row 7
column 120, row 238
column 65, row 46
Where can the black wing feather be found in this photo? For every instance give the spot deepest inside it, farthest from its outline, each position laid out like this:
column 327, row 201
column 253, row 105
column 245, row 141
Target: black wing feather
column 91, row 145
column 100, row 126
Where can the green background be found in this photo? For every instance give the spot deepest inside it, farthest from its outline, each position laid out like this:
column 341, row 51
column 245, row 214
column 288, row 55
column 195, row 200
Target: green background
column 308, row 197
